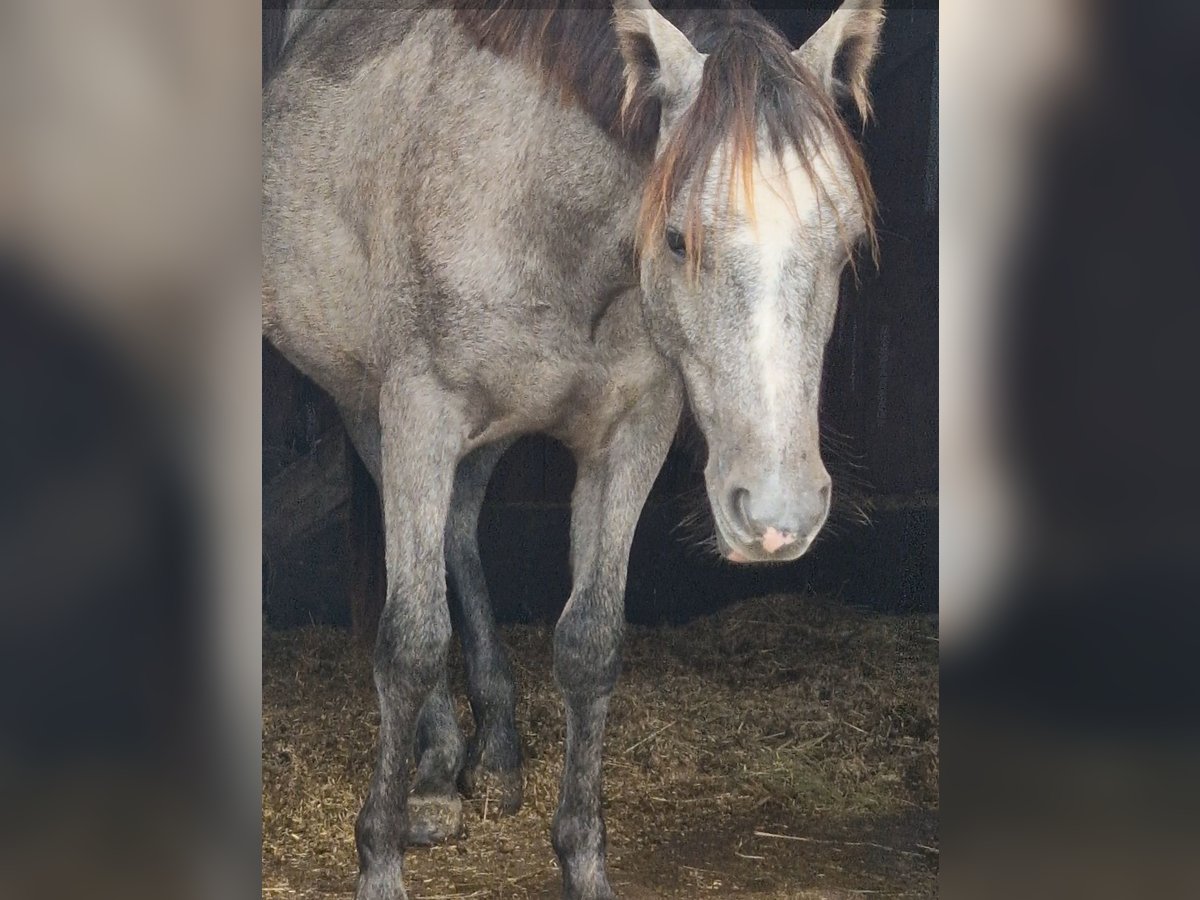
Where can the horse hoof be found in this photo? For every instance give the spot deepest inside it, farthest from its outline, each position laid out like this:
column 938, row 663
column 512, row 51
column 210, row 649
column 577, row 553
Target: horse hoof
column 383, row 881
column 590, row 892
column 502, row 791
column 433, row 819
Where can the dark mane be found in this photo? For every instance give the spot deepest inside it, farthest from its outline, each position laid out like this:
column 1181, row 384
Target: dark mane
column 574, row 46
column 751, row 87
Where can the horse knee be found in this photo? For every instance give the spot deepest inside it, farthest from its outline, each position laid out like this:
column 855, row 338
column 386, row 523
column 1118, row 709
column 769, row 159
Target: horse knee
column 587, row 650
column 412, row 649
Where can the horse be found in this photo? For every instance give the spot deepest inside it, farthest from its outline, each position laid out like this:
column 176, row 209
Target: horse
column 488, row 219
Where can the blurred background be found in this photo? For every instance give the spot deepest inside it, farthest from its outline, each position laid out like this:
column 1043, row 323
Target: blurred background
column 131, row 438
column 1069, row 557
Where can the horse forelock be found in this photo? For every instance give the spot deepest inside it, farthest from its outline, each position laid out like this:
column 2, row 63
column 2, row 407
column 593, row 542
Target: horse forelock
column 755, row 102
column 752, row 88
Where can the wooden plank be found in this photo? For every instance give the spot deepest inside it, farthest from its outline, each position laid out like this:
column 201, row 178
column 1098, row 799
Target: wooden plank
column 305, row 494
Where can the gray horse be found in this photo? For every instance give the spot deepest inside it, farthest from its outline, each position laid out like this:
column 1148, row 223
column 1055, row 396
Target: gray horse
column 483, row 220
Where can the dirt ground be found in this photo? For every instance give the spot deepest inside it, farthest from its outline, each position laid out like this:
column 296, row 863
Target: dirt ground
column 785, row 748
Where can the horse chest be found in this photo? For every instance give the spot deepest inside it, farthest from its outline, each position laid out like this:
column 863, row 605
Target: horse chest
column 575, row 399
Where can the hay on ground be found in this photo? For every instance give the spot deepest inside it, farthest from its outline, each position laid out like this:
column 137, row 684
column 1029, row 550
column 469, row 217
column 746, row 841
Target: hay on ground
column 784, row 748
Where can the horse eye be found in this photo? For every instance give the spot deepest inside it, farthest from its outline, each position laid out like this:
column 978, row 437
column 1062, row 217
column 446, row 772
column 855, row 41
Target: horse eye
column 675, row 243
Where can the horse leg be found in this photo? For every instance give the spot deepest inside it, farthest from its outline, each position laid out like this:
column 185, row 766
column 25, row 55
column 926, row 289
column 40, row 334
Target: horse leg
column 434, row 807
column 421, row 442
column 610, row 491
column 495, row 749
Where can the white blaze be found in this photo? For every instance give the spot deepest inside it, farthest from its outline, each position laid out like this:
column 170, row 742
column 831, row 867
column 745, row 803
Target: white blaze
column 783, row 198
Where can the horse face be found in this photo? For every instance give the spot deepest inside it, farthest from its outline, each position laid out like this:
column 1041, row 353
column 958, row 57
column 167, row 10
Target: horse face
column 741, row 256
column 747, row 326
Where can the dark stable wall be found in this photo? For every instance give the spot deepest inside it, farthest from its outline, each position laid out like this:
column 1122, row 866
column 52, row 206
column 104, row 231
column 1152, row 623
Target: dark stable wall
column 879, row 417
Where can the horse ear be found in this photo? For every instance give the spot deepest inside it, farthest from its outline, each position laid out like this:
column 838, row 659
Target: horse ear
column 841, row 52
column 658, row 56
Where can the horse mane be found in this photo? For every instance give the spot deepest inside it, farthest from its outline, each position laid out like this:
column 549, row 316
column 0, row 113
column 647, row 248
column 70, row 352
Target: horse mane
column 751, row 86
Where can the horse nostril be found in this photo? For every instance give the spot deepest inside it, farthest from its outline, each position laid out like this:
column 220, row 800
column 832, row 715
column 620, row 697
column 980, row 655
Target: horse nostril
column 739, row 502
column 825, row 493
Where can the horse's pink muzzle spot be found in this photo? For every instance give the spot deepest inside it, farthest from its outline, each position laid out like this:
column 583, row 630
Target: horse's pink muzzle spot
column 774, row 540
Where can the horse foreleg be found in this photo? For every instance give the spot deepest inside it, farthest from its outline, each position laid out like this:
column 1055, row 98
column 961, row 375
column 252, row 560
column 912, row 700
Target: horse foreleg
column 610, row 490
column 434, row 807
column 495, row 749
column 421, row 440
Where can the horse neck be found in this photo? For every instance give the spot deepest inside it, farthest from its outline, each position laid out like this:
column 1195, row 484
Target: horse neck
column 592, row 233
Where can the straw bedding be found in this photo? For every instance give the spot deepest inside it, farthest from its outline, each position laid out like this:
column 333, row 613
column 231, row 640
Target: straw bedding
column 784, row 748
